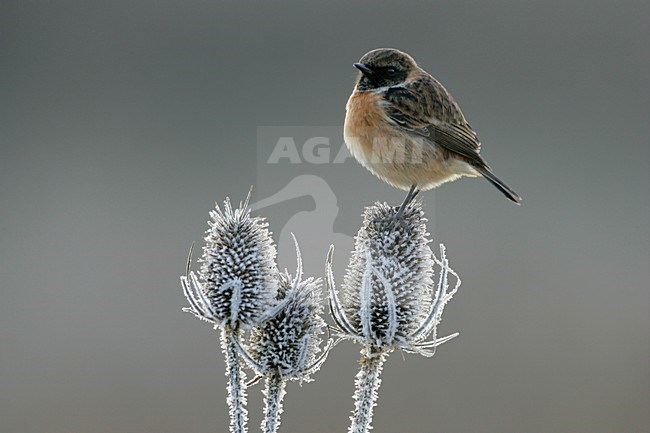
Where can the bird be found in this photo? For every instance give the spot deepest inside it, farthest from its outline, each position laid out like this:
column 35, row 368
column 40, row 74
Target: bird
column 407, row 129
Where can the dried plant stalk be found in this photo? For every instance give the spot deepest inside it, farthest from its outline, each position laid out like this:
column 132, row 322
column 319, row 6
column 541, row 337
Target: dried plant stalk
column 390, row 300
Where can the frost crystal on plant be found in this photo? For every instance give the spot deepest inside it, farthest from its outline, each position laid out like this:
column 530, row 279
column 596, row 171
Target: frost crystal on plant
column 235, row 289
column 389, row 300
column 287, row 345
column 289, row 341
column 237, row 282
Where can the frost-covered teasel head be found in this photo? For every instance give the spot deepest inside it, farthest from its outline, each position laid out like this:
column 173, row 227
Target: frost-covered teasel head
column 389, row 298
column 237, row 283
column 287, row 345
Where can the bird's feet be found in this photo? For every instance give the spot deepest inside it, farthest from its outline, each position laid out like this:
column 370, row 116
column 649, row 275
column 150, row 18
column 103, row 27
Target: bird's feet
column 390, row 221
column 398, row 217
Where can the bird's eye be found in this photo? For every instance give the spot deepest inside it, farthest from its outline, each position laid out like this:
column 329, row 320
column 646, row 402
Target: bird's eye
column 391, row 72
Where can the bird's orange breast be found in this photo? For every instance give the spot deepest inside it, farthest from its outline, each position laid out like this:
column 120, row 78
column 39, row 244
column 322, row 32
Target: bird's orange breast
column 391, row 153
column 365, row 119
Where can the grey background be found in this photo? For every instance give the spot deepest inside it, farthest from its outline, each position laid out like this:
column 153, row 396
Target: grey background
column 122, row 122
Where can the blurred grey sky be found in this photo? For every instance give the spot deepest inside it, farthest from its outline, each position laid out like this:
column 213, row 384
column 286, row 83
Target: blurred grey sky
column 122, row 122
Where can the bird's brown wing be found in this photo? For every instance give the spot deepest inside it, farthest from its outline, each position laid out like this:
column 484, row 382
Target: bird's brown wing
column 424, row 107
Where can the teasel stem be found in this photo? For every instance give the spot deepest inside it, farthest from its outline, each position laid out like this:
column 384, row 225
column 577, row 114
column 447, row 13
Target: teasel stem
column 273, row 395
column 367, row 388
column 236, row 381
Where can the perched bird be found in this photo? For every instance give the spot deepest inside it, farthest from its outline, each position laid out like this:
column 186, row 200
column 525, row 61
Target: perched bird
column 403, row 126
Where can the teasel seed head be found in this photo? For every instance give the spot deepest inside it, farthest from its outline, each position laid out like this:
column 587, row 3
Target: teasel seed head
column 389, row 298
column 288, row 344
column 237, row 283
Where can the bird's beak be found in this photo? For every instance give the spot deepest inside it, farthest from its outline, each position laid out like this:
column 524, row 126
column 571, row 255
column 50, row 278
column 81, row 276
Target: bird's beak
column 365, row 70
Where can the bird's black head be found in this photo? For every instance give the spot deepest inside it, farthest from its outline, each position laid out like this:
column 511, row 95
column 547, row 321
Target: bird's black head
column 383, row 67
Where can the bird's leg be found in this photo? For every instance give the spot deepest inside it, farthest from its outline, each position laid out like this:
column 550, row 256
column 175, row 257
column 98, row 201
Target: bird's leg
column 399, row 215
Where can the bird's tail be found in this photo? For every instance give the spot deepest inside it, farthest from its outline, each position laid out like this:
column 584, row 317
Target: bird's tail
column 498, row 183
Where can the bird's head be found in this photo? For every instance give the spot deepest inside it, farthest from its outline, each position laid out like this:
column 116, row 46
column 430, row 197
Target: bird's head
column 384, row 67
